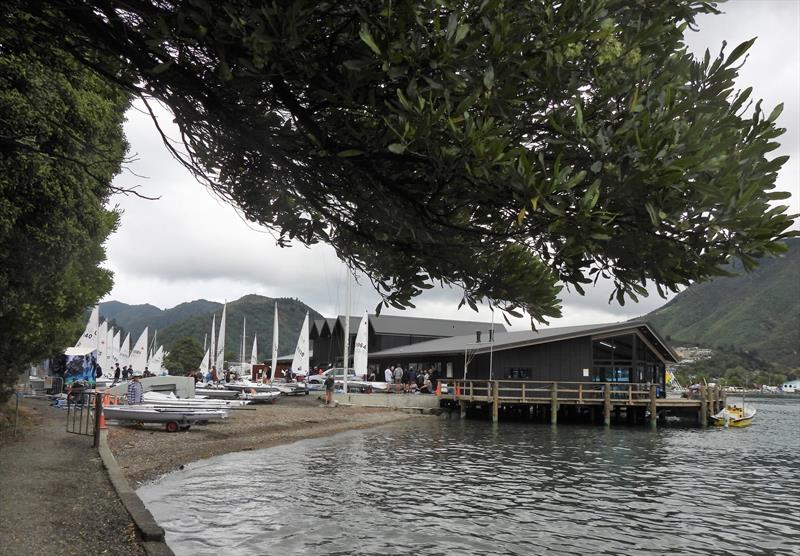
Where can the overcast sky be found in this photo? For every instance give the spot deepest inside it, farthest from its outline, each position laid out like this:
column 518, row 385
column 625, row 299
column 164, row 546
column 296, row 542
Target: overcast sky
column 188, row 245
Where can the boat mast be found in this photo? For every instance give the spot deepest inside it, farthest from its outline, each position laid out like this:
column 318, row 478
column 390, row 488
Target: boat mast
column 274, row 344
column 244, row 334
column 346, row 336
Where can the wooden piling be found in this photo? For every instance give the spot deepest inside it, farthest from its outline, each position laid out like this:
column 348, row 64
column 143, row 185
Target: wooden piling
column 607, row 405
column 554, row 404
column 653, row 406
column 703, row 406
column 495, row 395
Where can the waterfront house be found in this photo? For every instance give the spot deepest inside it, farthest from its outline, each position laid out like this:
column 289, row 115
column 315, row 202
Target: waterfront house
column 628, row 352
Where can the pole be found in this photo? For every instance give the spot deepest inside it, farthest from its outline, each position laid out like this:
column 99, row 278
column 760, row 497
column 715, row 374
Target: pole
column 98, row 414
column 244, row 334
column 346, row 355
column 491, row 346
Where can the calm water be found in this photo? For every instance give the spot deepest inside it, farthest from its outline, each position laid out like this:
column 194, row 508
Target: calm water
column 450, row 487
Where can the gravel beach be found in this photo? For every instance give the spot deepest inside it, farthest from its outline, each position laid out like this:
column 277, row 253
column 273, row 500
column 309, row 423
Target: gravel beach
column 55, row 495
column 147, row 453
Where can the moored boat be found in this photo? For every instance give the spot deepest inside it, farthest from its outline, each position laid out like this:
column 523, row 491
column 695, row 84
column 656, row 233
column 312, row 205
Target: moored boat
column 734, row 416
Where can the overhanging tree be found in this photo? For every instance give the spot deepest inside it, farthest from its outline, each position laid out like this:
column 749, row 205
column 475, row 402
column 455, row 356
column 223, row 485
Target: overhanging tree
column 61, row 143
column 498, row 146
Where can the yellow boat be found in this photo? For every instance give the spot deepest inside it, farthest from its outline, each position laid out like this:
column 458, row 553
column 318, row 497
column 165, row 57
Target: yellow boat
column 734, row 416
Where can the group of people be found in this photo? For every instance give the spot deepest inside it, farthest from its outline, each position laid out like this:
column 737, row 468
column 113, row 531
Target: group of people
column 127, row 373
column 410, row 379
column 214, row 376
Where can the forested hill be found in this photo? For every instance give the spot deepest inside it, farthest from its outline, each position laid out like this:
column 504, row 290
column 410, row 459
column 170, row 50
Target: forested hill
column 133, row 318
column 193, row 320
column 757, row 312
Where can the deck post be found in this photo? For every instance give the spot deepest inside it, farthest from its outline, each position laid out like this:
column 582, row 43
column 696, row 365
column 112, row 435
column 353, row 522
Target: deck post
column 463, row 407
column 554, row 404
column 607, row 404
column 703, row 406
column 495, row 395
column 653, row 407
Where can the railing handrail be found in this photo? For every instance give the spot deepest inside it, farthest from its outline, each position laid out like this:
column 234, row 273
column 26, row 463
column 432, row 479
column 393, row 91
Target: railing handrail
column 554, row 390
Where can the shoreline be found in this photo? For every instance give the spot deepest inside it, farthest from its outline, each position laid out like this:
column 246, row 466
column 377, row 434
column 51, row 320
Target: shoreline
column 145, row 454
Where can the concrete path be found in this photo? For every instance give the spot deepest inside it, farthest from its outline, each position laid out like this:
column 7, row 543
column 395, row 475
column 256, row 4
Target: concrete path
column 55, row 495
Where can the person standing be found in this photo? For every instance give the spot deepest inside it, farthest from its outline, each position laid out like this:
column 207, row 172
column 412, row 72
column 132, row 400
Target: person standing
column 329, row 389
column 117, row 373
column 388, row 375
column 135, row 391
column 398, row 377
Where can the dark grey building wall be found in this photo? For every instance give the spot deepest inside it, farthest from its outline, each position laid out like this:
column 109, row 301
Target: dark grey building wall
column 563, row 360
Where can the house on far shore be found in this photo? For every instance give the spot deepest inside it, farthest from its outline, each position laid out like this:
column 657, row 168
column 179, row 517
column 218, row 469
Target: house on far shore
column 385, row 332
column 791, row 386
column 627, row 352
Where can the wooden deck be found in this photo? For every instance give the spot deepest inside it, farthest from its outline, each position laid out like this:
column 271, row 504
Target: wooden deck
column 635, row 399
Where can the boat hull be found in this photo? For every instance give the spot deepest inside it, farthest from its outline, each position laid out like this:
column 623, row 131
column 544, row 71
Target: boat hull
column 149, row 414
column 733, row 416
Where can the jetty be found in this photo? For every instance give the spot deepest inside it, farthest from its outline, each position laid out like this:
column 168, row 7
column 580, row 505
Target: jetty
column 592, row 401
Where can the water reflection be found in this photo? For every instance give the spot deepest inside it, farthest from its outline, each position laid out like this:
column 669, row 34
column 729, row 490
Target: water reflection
column 446, row 487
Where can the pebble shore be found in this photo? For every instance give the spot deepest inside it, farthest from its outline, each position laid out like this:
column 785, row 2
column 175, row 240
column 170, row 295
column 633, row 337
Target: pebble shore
column 147, row 453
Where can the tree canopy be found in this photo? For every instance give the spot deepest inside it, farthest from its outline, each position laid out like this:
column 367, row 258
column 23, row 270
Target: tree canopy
column 185, row 355
column 503, row 147
column 61, row 143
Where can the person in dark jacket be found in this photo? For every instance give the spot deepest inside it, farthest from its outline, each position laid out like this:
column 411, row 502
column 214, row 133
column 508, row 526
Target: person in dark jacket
column 329, row 389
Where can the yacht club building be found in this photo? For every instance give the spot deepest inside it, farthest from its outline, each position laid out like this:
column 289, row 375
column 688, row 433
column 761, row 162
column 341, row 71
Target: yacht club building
column 631, row 352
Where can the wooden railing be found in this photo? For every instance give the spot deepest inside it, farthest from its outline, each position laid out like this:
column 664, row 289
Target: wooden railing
column 556, row 393
column 536, row 391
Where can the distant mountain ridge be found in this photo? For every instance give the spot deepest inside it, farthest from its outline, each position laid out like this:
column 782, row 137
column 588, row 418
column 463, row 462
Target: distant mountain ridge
column 193, row 319
column 757, row 312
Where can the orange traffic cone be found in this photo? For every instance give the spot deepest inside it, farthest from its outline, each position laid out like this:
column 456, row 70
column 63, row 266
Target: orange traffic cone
column 102, row 413
column 438, row 388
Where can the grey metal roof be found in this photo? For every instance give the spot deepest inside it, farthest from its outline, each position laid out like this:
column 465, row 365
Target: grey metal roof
column 417, row 326
column 511, row 340
column 391, row 324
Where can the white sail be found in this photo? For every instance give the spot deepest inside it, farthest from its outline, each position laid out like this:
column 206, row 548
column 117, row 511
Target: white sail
column 138, row 356
column 300, row 359
column 204, row 365
column 102, row 351
column 116, row 340
column 253, row 354
column 152, row 348
column 154, row 365
column 361, row 348
column 274, row 344
column 211, row 349
column 125, row 351
column 89, row 337
column 111, row 345
column 219, row 358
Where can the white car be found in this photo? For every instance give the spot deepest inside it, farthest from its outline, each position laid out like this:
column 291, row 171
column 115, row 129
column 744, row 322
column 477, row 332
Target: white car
column 354, row 383
column 338, row 375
